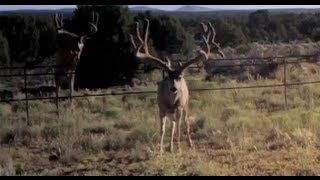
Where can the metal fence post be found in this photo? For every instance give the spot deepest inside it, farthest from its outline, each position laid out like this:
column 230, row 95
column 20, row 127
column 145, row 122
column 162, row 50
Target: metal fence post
column 285, row 82
column 26, row 94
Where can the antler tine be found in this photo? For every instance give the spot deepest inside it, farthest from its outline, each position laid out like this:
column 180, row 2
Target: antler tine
column 93, row 14
column 138, row 32
column 213, row 32
column 147, row 32
column 206, row 36
column 206, row 40
column 167, row 61
column 56, row 17
column 61, row 20
column 93, row 24
column 97, row 19
column 136, row 36
column 132, row 41
column 204, row 27
column 206, row 31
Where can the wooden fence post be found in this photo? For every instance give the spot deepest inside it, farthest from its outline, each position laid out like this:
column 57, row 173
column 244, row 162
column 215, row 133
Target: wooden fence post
column 26, row 94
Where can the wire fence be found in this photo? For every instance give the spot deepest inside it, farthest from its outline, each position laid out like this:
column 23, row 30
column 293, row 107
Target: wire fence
column 279, row 60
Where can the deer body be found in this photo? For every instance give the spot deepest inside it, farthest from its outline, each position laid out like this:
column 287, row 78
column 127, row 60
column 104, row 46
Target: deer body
column 173, row 104
column 173, row 94
column 67, row 63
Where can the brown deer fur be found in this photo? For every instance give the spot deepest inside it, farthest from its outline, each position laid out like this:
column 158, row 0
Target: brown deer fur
column 173, row 93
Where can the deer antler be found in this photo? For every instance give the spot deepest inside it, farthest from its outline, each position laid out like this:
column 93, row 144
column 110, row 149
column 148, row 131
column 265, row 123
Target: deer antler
column 59, row 24
column 94, row 23
column 59, row 21
column 203, row 54
column 142, row 50
column 94, row 26
column 212, row 41
column 208, row 37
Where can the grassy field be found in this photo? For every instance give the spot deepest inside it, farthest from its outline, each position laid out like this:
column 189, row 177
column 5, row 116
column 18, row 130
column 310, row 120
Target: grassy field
column 236, row 132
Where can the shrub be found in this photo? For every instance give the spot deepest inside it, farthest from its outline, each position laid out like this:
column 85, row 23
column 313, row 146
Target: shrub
column 124, row 124
column 116, row 143
column 113, row 112
column 96, row 130
column 50, row 132
column 142, row 135
column 8, row 137
column 5, row 110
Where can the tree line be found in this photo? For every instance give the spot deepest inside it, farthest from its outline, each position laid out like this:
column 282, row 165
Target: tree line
column 108, row 57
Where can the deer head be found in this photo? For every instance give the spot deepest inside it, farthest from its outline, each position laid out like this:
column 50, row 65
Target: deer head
column 175, row 74
column 70, row 43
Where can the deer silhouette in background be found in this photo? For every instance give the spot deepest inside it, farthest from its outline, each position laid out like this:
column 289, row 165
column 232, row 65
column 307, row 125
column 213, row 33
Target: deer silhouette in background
column 69, row 49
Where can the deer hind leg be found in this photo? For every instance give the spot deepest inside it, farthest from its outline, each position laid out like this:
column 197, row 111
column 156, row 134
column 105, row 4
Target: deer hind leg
column 162, row 129
column 188, row 128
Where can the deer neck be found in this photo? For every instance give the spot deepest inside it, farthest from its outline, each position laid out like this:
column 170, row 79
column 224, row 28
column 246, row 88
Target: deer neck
column 66, row 58
column 170, row 99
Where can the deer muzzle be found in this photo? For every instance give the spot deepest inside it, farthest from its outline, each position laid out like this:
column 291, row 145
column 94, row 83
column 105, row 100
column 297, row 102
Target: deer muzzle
column 174, row 90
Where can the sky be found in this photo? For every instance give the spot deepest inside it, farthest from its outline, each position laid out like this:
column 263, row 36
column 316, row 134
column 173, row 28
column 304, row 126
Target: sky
column 172, row 7
column 164, row 7
column 16, row 7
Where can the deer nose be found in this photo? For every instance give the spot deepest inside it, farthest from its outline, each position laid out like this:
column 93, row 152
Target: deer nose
column 74, row 52
column 173, row 89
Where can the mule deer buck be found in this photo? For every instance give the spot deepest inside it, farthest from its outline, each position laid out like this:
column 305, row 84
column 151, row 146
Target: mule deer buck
column 69, row 49
column 173, row 93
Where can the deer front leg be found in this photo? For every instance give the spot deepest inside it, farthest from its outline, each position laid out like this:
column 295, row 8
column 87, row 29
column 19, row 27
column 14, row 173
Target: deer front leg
column 57, row 98
column 71, row 86
column 173, row 127
column 162, row 129
column 188, row 128
column 179, row 114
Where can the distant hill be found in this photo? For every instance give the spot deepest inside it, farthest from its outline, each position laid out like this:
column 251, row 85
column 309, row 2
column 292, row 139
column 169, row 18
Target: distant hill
column 193, row 9
column 144, row 8
column 182, row 11
column 296, row 10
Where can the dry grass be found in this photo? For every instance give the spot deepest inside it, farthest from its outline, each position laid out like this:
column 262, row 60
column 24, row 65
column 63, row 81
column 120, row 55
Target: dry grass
column 236, row 132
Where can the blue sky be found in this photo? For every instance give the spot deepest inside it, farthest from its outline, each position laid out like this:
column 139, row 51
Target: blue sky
column 164, row 7
column 15, row 7
column 172, row 7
